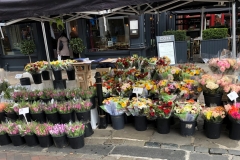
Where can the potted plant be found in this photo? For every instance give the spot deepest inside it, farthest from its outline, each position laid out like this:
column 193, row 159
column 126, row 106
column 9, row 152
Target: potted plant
column 4, row 138
column 22, row 104
column 14, row 134
column 46, row 95
column 19, row 95
column 42, row 132
column 36, row 112
column 4, row 84
column 71, row 94
column 212, row 86
column 32, row 96
column 187, row 112
column 115, row 106
column 35, row 70
column 69, row 68
column 27, row 47
column 77, row 45
column 58, row 133
column 82, row 110
column 59, row 95
column 180, row 44
column 213, row 117
column 162, row 111
column 57, row 67
column 51, row 112
column 43, row 65
column 27, row 131
column 75, row 134
column 65, row 111
column 89, row 94
column 216, row 38
column 11, row 115
column 3, row 105
column 137, row 108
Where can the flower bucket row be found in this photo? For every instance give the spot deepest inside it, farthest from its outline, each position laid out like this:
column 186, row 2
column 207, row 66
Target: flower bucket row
column 45, row 135
column 56, row 112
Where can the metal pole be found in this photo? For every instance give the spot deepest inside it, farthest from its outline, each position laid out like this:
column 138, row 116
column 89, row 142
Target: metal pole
column 234, row 29
column 202, row 21
column 102, row 116
column 191, row 50
column 46, row 46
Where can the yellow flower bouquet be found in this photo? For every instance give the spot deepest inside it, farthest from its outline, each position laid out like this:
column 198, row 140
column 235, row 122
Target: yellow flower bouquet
column 57, row 65
column 115, row 105
column 214, row 114
column 137, row 106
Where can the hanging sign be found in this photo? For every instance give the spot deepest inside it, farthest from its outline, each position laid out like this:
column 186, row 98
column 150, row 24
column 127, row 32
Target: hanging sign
column 166, row 47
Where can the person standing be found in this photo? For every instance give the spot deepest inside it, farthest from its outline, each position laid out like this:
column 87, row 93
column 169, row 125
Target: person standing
column 63, row 46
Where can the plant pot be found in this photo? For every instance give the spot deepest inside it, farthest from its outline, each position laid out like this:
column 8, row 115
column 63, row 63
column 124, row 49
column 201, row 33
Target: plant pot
column 38, row 117
column 37, row 79
column 59, row 84
column 4, row 139
column 71, row 75
column 234, row 131
column 17, row 139
column 65, row 117
column 163, row 125
column 93, row 101
column 31, row 140
column 53, row 117
column 212, row 130
column 140, row 123
column 21, row 117
column 88, row 130
column 76, row 142
column 46, row 100
column 45, row 141
column 12, row 116
column 187, row 128
column 117, row 121
column 84, row 116
column 25, row 81
column 57, row 75
column 2, row 117
column 212, row 99
column 45, row 75
column 73, row 116
column 60, row 141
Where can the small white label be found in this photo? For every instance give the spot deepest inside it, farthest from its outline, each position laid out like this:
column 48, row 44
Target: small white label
column 23, row 110
column 52, row 101
column 232, row 96
column 137, row 90
column 18, row 76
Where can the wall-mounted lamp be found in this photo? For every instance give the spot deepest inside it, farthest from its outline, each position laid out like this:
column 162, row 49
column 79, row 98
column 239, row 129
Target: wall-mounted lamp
column 170, row 16
column 73, row 29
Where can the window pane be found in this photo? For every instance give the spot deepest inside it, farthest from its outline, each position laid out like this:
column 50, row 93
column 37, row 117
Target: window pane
column 13, row 36
column 112, row 36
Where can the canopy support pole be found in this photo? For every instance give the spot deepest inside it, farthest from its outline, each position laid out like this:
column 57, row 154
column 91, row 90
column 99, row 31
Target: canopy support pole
column 202, row 21
column 46, row 46
column 234, row 29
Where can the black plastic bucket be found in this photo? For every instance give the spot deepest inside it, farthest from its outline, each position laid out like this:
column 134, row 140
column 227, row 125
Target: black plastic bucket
column 25, row 81
column 213, row 99
column 163, row 125
column 234, row 131
column 57, row 75
column 59, row 84
column 117, row 121
column 45, row 75
column 37, row 79
column 71, row 75
column 88, row 130
column 140, row 123
column 212, row 130
column 31, row 140
column 187, row 128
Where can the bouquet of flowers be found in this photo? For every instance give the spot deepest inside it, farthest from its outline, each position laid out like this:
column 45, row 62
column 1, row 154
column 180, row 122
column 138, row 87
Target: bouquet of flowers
column 141, row 76
column 115, row 105
column 9, row 91
column 88, row 93
column 214, row 114
column 126, row 89
column 190, row 70
column 214, row 84
column 19, row 96
column 50, row 108
column 233, row 112
column 58, row 130
column 129, row 74
column 68, row 64
column 27, row 129
column 3, row 85
column 153, row 61
column 224, row 66
column 32, row 95
column 123, row 63
column 71, row 93
column 75, row 129
column 46, row 94
column 163, row 61
column 190, row 89
column 36, row 107
column 143, row 62
column 65, row 107
column 188, row 110
column 33, row 68
column 42, row 129
column 12, row 128
column 3, row 129
column 9, row 108
column 59, row 95
column 43, row 65
column 57, row 65
column 137, row 106
column 21, row 104
column 169, row 87
column 82, row 106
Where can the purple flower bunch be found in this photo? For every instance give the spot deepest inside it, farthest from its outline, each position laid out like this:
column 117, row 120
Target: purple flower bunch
column 19, row 96
column 12, row 128
column 75, row 129
column 82, row 106
column 50, row 108
column 46, row 94
column 27, row 129
column 36, row 107
column 70, row 94
column 58, row 130
column 87, row 94
column 65, row 107
column 59, row 95
column 32, row 95
column 42, row 129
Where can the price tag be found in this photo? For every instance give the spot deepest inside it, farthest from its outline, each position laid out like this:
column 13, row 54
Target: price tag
column 23, row 110
column 232, row 96
column 52, row 100
column 18, row 76
column 137, row 90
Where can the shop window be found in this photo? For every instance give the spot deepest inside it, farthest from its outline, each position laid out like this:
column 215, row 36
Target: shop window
column 13, row 36
column 113, row 34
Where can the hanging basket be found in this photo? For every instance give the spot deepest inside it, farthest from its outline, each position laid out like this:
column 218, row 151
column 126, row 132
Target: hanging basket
column 37, row 79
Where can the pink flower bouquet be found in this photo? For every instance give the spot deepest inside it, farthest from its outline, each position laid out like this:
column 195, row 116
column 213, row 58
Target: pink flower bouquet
column 224, row 66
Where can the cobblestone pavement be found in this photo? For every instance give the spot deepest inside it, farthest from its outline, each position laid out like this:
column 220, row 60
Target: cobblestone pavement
column 129, row 144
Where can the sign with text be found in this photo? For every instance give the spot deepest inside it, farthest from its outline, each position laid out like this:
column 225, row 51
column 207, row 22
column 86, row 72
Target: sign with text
column 232, row 96
column 137, row 90
column 23, row 110
column 166, row 47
